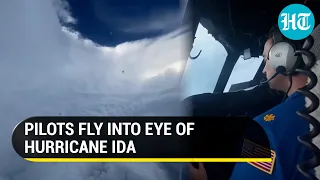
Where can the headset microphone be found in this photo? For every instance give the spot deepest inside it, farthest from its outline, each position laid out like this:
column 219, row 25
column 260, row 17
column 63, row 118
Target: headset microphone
column 279, row 70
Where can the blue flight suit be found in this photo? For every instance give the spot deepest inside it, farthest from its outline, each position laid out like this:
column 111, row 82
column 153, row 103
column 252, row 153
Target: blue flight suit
column 282, row 126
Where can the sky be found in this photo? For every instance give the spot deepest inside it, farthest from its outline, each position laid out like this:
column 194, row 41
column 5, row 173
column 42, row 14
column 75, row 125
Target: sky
column 47, row 70
column 113, row 22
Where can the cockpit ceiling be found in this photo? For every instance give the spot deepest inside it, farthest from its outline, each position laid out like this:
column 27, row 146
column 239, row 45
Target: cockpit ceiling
column 240, row 24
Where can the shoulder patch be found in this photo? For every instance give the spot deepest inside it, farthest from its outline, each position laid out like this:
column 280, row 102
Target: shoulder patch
column 269, row 117
column 253, row 150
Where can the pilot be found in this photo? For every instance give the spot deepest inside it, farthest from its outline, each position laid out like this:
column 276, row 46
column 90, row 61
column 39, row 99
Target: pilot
column 282, row 126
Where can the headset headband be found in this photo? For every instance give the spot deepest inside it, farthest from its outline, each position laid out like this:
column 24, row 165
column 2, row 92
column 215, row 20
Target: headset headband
column 276, row 35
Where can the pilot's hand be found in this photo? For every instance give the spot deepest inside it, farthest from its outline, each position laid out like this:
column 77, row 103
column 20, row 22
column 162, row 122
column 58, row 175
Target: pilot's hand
column 198, row 174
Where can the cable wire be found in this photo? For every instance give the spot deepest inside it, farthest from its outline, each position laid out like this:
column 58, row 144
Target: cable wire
column 306, row 139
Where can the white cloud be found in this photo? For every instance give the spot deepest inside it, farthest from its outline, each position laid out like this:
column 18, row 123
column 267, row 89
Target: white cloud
column 63, row 11
column 45, row 70
column 156, row 21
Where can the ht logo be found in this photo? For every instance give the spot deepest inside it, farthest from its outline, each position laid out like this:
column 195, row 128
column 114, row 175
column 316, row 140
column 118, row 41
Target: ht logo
column 296, row 21
column 301, row 21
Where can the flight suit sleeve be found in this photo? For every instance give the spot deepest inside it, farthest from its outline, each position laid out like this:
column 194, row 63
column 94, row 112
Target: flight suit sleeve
column 256, row 144
column 256, row 170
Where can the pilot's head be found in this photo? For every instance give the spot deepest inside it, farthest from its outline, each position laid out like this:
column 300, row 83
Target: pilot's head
column 280, row 82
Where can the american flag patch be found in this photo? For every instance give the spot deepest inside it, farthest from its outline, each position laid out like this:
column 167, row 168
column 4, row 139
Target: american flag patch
column 253, row 150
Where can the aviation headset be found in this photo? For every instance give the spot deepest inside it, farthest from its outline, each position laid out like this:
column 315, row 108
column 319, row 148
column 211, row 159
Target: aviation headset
column 282, row 56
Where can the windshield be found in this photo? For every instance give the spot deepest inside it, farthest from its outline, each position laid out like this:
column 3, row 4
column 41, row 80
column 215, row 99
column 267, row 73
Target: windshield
column 243, row 71
column 201, row 74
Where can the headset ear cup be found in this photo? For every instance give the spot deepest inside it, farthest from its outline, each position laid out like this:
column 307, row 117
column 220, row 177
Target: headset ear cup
column 282, row 54
column 298, row 65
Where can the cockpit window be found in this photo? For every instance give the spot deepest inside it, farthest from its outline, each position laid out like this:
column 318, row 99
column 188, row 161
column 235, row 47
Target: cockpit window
column 243, row 71
column 201, row 74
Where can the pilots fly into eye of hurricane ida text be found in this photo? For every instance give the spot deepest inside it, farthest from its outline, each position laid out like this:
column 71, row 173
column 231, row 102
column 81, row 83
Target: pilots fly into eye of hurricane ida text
column 113, row 128
column 93, row 129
